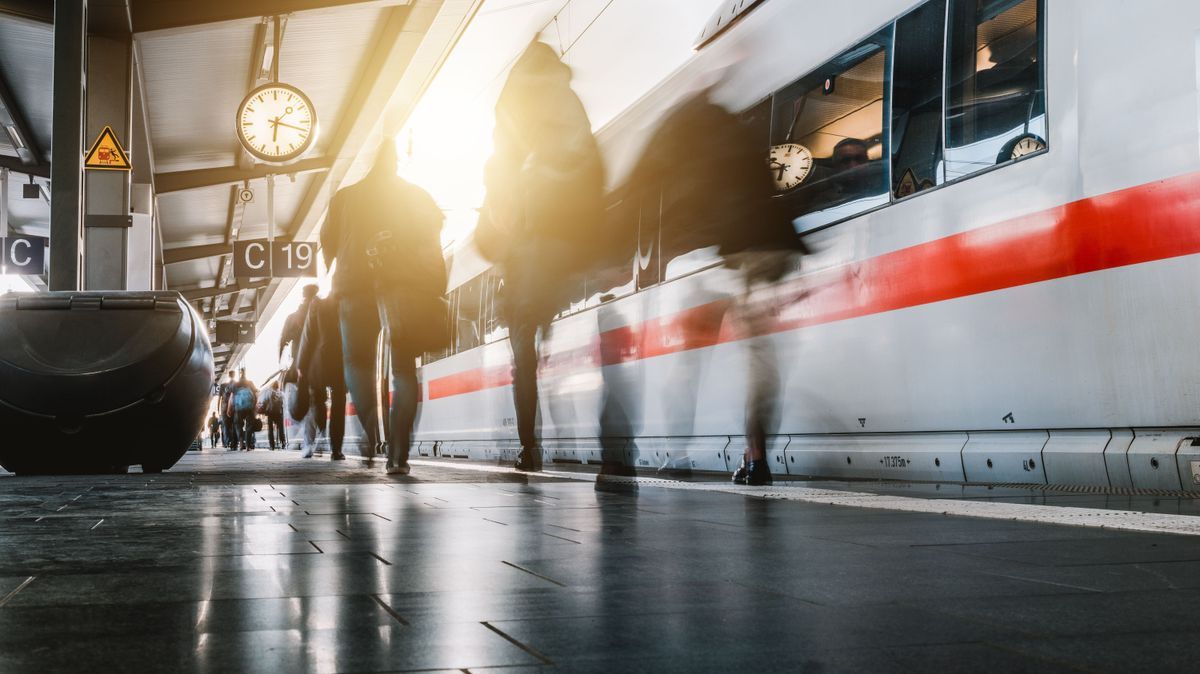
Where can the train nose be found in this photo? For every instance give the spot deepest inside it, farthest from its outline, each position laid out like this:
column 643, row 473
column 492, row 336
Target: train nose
column 91, row 381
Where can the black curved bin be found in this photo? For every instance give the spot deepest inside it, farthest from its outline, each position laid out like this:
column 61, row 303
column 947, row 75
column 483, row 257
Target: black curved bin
column 99, row 381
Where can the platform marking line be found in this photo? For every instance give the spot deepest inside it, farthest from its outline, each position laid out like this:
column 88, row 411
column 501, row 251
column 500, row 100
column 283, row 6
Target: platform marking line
column 528, row 649
column 389, row 610
column 1122, row 520
column 12, row 594
column 533, row 573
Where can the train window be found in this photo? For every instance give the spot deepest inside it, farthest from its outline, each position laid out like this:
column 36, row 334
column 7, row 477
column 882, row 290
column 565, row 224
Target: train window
column 827, row 136
column 466, row 304
column 648, row 258
column 917, row 100
column 494, row 328
column 614, row 273
column 995, row 96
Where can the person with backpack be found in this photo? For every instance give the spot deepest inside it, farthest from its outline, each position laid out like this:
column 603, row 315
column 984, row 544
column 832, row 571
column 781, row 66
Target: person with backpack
column 270, row 404
column 241, row 408
column 385, row 235
column 544, row 207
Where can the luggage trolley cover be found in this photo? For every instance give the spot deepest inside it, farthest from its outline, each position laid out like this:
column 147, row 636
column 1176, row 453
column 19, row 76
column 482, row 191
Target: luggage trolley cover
column 96, row 381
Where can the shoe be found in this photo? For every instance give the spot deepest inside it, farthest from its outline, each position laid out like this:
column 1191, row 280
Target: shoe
column 758, row 474
column 337, row 457
column 739, row 475
column 402, row 469
column 529, row 460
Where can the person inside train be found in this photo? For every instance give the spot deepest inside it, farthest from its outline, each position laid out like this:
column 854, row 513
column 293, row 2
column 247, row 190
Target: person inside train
column 214, row 429
column 320, row 368
column 542, row 214
column 241, row 408
column 384, row 233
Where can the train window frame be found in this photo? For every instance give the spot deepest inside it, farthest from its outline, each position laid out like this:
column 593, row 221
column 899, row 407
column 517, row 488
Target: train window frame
column 1040, row 37
column 884, row 38
column 940, row 179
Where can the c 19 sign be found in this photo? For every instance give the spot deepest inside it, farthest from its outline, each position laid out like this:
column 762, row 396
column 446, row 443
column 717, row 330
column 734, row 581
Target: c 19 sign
column 262, row 259
column 24, row 255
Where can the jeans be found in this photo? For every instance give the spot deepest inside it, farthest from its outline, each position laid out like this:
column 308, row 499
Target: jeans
column 243, row 423
column 360, row 318
column 275, row 430
column 522, row 339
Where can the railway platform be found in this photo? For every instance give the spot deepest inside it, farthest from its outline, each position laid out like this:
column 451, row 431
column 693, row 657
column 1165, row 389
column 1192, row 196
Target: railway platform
column 268, row 562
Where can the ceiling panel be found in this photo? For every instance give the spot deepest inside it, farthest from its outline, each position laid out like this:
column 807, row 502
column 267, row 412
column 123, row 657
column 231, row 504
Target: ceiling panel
column 194, row 81
column 27, row 63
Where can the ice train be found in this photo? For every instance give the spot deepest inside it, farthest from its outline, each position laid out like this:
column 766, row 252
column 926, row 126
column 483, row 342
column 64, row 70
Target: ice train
column 1004, row 201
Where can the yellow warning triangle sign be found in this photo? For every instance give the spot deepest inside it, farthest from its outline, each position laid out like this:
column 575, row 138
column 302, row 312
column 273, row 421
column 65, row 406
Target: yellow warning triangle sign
column 106, row 153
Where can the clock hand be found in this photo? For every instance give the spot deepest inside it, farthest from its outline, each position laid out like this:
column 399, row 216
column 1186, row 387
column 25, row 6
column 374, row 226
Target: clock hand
column 290, row 126
column 275, row 130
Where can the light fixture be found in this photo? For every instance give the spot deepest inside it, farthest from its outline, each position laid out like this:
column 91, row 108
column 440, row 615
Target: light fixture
column 18, row 142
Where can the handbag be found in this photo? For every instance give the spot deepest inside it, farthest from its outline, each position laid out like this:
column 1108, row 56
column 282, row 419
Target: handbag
column 298, row 400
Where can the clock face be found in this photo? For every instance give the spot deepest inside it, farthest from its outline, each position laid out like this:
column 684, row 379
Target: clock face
column 790, row 164
column 1027, row 145
column 276, row 123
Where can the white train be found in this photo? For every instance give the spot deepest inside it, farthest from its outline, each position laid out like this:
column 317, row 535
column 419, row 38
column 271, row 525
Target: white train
column 1006, row 287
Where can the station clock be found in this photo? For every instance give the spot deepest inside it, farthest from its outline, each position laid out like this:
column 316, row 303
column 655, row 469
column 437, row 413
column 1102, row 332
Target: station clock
column 276, row 123
column 790, row 164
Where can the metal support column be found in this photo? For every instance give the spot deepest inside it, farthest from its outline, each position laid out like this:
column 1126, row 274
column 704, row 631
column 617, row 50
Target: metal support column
column 106, row 214
column 66, row 168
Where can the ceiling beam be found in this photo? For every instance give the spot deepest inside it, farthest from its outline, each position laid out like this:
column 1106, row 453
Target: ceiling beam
column 41, row 11
column 18, row 166
column 177, row 181
column 12, row 119
column 202, row 293
column 151, row 15
column 189, row 253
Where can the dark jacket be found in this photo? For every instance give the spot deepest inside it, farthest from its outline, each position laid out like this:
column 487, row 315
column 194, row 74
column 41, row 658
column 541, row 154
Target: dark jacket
column 384, row 204
column 545, row 183
column 320, row 357
column 724, row 196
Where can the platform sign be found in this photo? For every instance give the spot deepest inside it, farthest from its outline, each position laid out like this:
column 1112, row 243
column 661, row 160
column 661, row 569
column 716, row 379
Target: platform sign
column 261, row 258
column 106, row 153
column 23, row 255
column 235, row 332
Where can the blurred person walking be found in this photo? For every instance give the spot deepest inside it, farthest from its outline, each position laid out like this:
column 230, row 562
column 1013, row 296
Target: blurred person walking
column 385, row 235
column 725, row 199
column 321, row 369
column 544, row 207
column 224, row 391
column 214, row 429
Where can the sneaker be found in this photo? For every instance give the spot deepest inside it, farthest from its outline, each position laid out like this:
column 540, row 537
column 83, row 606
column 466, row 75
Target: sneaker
column 402, row 469
column 337, row 457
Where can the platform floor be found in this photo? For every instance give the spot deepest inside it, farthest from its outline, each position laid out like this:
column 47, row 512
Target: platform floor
column 266, row 562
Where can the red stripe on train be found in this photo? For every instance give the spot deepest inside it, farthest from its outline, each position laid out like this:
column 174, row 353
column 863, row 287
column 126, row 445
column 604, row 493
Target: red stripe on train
column 1155, row 221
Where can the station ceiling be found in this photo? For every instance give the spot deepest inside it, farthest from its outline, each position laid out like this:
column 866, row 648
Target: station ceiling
column 363, row 63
